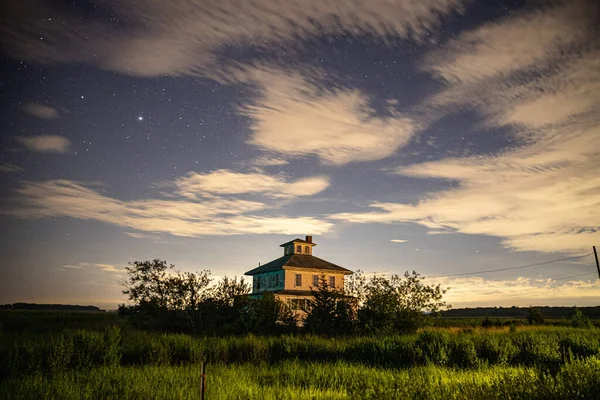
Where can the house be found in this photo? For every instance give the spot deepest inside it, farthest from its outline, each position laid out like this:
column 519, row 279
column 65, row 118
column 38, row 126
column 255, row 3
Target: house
column 292, row 276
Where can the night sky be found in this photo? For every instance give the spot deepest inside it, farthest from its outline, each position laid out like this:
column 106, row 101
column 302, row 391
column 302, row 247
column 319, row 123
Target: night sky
column 442, row 136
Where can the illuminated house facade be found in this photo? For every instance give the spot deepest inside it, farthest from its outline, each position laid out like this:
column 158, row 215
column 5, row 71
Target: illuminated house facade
column 292, row 276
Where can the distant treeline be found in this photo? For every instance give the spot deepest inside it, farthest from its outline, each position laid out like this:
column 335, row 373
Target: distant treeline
column 514, row 312
column 47, row 307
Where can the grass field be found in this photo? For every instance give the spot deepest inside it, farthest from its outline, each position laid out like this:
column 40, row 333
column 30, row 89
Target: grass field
column 109, row 360
column 300, row 380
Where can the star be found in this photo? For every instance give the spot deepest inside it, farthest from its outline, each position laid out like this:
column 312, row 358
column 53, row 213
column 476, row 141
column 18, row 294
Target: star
column 140, row 118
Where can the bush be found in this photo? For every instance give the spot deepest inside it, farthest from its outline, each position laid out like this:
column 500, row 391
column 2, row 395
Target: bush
column 579, row 320
column 463, row 353
column 496, row 349
column 434, row 347
column 535, row 316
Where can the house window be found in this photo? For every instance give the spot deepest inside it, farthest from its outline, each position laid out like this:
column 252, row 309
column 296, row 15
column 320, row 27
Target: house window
column 306, row 250
column 315, row 280
column 277, row 280
column 299, row 249
column 332, row 281
column 298, row 304
column 298, row 279
column 257, row 279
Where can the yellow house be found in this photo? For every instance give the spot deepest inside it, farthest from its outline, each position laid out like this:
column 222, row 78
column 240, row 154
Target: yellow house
column 292, row 276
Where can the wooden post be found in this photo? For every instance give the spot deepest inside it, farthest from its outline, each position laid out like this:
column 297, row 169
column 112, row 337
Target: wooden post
column 597, row 264
column 202, row 380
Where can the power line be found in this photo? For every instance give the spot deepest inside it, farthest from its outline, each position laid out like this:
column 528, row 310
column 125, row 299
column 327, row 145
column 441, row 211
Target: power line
column 574, row 276
column 511, row 268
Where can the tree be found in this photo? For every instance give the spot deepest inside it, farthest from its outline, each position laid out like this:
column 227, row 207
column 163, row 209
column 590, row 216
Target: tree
column 155, row 282
column 226, row 308
column 399, row 303
column 162, row 297
column 535, row 316
column 187, row 290
column 579, row 320
column 269, row 315
column 228, row 290
column 330, row 312
column 147, row 282
column 355, row 287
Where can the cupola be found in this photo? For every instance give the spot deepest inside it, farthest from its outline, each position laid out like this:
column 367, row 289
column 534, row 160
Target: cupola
column 298, row 246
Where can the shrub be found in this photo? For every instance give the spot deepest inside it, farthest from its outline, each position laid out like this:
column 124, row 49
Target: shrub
column 496, row 349
column 463, row 353
column 434, row 346
column 579, row 320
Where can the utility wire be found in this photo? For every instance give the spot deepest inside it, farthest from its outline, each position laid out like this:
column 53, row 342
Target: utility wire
column 574, row 276
column 511, row 268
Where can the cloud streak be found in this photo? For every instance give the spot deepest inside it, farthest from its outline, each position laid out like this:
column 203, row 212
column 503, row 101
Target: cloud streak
column 179, row 217
column 526, row 41
column 103, row 267
column 224, row 182
column 294, row 117
column 5, row 168
column 543, row 194
column 46, row 143
column 40, row 110
column 110, row 268
column 269, row 161
column 184, row 37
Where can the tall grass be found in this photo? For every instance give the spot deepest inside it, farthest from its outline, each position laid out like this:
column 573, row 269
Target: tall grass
column 49, row 354
column 300, row 380
column 527, row 362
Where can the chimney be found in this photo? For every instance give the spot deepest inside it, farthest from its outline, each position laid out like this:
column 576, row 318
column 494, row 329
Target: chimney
column 309, row 239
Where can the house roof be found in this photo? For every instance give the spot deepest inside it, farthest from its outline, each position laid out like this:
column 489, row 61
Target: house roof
column 299, row 261
column 297, row 240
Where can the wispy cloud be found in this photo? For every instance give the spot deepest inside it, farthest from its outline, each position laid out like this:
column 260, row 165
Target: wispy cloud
column 183, row 37
column 40, row 110
column 525, row 41
column 46, row 143
column 269, row 161
column 103, row 267
column 543, row 194
column 8, row 167
column 523, row 57
column 223, row 182
column 69, row 266
column 180, row 217
column 140, row 235
column 110, row 268
column 294, row 117
column 398, row 240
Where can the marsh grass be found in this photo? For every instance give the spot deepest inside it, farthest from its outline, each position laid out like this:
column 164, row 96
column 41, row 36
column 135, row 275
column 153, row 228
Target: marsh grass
column 524, row 362
column 301, row 380
column 83, row 349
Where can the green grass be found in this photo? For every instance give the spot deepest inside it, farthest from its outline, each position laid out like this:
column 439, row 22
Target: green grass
column 544, row 347
column 100, row 357
column 300, row 380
